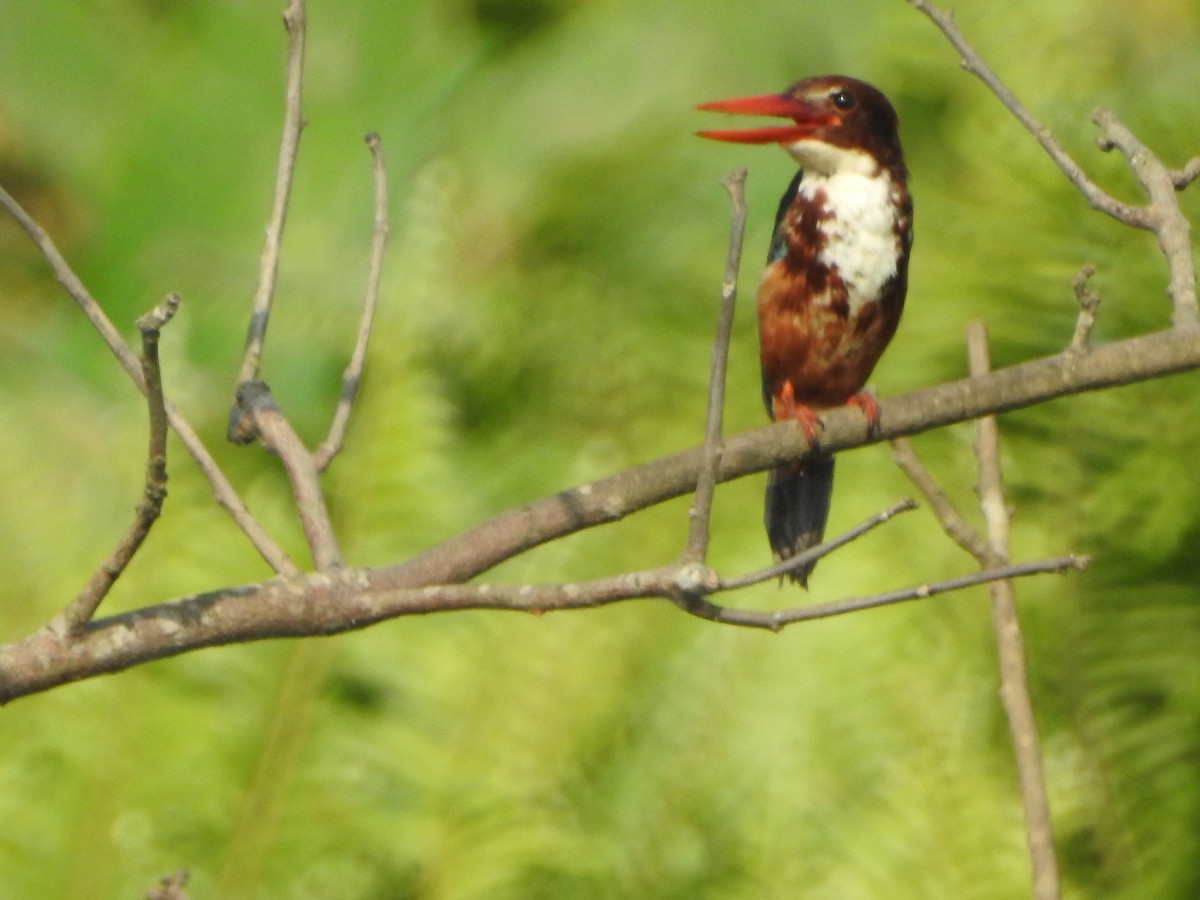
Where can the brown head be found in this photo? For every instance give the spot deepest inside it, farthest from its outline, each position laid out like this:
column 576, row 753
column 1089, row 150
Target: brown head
column 836, row 121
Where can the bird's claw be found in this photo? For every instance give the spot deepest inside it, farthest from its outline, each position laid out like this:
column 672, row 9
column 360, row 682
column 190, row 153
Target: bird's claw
column 865, row 401
column 787, row 407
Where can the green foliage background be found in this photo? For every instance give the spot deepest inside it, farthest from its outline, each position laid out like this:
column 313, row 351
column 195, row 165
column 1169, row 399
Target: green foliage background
column 550, row 293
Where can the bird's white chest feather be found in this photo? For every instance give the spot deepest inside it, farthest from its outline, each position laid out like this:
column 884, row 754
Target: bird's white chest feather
column 859, row 229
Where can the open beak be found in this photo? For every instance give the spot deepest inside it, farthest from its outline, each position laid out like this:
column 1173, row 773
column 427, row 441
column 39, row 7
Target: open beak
column 808, row 119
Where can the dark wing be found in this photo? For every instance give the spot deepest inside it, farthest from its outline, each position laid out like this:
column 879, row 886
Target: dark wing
column 777, row 245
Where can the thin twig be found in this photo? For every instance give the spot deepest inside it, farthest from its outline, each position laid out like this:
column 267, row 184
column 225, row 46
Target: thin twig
column 1010, row 647
column 259, row 418
column 352, row 376
column 706, row 483
column 293, row 124
column 223, row 491
column 952, row 522
column 1089, row 302
column 821, row 550
column 80, row 611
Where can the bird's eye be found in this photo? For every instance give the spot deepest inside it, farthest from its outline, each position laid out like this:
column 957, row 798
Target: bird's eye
column 843, row 100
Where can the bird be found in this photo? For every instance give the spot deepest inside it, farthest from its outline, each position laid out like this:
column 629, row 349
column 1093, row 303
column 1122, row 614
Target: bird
column 833, row 290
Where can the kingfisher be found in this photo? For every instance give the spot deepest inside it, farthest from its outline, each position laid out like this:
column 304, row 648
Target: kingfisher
column 833, row 290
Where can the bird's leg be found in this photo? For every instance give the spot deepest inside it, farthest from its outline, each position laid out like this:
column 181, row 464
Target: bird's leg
column 865, row 401
column 787, row 407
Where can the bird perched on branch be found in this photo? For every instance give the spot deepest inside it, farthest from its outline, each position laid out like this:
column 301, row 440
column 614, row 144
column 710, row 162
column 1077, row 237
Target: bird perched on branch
column 836, row 276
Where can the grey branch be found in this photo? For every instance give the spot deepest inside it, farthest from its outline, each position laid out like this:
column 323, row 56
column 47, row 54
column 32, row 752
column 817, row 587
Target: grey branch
column 334, row 601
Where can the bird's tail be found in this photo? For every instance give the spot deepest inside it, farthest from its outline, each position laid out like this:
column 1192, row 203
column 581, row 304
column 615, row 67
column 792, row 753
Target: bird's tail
column 797, row 508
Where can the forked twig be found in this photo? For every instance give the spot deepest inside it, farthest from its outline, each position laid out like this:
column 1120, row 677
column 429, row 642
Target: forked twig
column 1162, row 215
column 257, row 417
column 973, row 63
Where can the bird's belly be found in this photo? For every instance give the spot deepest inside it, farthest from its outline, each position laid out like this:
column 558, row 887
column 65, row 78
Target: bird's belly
column 825, row 344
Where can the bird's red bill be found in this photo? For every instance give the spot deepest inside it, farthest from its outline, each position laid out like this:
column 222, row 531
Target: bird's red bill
column 806, row 117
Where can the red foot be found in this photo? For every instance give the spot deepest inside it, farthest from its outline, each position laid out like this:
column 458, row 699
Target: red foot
column 866, row 402
column 786, row 407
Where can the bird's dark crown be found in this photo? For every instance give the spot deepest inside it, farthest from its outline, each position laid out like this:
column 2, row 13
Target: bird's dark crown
column 860, row 117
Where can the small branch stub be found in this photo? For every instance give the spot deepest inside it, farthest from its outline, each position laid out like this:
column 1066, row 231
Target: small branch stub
column 252, row 397
column 1089, row 302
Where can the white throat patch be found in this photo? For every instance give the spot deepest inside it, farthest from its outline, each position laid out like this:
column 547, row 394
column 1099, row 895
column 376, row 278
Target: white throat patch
column 821, row 158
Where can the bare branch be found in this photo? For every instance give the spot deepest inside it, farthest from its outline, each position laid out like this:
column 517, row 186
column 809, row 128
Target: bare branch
column 352, row 376
column 83, row 607
column 258, row 417
column 612, row 498
column 347, row 599
column 1014, row 682
column 701, row 511
column 293, row 124
column 223, row 492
